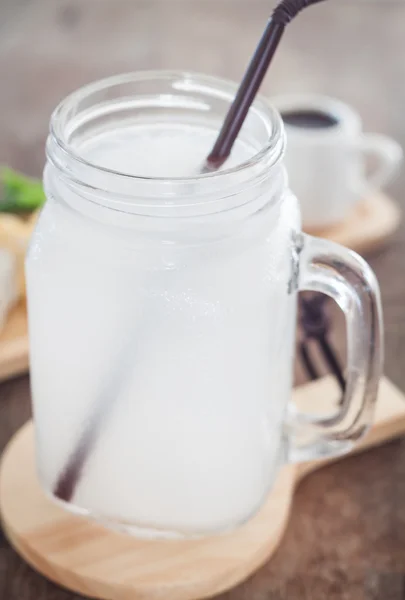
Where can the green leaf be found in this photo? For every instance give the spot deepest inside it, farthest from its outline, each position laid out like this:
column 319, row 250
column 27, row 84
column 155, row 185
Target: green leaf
column 20, row 193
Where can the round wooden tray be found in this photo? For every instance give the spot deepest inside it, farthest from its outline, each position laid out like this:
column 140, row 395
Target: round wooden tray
column 91, row 560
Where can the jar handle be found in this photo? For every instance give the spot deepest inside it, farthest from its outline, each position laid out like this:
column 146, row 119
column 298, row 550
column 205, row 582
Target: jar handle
column 345, row 277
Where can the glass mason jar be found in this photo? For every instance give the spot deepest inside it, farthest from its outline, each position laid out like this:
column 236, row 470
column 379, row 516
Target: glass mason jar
column 162, row 315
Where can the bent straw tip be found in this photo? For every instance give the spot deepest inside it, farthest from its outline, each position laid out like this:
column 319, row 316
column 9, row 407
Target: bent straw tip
column 288, row 9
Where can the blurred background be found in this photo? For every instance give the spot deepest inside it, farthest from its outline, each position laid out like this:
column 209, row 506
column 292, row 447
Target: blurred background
column 351, row 49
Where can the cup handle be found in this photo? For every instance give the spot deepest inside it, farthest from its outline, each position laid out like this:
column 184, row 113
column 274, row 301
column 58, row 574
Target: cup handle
column 389, row 155
column 345, row 277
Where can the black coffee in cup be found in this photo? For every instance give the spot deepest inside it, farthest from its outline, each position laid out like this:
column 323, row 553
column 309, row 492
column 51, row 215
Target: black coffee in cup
column 309, row 119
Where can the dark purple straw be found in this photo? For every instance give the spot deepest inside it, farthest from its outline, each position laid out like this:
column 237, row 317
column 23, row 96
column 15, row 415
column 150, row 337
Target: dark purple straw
column 252, row 80
column 72, row 472
column 315, row 325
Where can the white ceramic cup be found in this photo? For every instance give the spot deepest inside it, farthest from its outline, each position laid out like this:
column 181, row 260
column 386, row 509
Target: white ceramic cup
column 327, row 166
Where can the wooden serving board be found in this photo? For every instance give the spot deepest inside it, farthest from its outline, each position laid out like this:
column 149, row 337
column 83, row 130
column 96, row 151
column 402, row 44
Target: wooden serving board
column 370, row 225
column 88, row 559
column 14, row 343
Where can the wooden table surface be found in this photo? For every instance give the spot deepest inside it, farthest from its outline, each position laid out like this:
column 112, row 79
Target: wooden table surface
column 346, row 538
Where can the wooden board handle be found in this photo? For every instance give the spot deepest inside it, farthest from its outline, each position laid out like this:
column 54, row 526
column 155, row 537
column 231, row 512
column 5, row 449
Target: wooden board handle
column 389, row 419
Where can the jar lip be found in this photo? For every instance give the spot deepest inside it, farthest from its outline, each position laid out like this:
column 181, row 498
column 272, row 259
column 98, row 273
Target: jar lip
column 269, row 153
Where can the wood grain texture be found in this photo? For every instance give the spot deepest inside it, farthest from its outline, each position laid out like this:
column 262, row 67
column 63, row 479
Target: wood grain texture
column 346, row 536
column 90, row 559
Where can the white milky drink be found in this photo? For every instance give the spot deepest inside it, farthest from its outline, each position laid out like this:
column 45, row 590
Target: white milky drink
column 193, row 430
